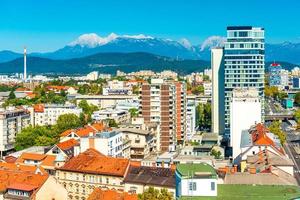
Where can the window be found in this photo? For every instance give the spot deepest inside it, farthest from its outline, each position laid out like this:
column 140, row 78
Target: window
column 192, row 186
column 212, row 186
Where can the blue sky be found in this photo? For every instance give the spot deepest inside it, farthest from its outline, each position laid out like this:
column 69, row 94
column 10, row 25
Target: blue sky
column 46, row 25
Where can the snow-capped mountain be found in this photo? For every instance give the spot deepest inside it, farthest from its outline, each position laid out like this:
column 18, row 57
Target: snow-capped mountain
column 91, row 43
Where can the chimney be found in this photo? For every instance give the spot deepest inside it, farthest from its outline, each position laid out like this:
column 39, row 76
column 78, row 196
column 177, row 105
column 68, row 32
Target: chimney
column 25, row 67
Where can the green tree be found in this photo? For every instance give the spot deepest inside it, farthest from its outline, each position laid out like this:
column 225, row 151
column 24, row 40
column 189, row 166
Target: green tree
column 203, row 115
column 205, row 78
column 35, row 136
column 275, row 128
column 11, row 95
column 155, row 194
column 67, row 121
column 112, row 123
column 198, row 90
column 134, row 112
column 87, row 109
column 297, row 98
column 135, row 89
column 215, row 153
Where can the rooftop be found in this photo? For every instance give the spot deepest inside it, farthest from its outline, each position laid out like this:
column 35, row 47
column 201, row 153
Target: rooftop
column 151, row 176
column 196, row 170
column 24, row 178
column 45, row 160
column 67, row 144
column 111, row 195
column 93, row 162
column 258, row 179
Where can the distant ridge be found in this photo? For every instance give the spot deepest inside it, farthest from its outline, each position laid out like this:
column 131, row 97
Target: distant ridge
column 105, row 63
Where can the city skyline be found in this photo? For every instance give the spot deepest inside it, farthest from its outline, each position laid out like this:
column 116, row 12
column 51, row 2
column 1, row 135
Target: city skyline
column 27, row 23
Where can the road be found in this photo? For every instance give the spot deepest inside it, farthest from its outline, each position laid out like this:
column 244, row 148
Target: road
column 289, row 149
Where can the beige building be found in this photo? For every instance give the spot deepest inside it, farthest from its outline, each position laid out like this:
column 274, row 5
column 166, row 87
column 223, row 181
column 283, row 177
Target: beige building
column 89, row 170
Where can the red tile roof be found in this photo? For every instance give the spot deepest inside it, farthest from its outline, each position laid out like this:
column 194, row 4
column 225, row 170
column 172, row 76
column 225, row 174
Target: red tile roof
column 46, row 160
column 22, row 186
column 57, row 87
column 38, row 108
column 85, row 131
column 260, row 137
column 99, row 194
column 93, row 162
column 67, row 144
column 21, row 177
column 10, row 159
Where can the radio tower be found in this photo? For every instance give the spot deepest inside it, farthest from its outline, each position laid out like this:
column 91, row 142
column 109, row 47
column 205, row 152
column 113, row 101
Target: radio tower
column 25, row 67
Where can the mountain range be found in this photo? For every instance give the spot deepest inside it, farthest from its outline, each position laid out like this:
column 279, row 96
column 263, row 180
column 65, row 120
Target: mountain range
column 92, row 50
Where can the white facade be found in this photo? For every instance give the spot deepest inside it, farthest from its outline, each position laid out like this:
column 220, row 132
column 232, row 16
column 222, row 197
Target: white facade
column 245, row 111
column 190, row 120
column 198, row 187
column 49, row 113
column 218, row 110
column 207, row 88
column 284, row 75
column 118, row 115
column 92, row 76
column 208, row 72
column 107, row 143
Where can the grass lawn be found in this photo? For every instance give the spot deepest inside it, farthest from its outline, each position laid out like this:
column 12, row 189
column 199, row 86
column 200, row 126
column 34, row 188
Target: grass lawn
column 250, row 192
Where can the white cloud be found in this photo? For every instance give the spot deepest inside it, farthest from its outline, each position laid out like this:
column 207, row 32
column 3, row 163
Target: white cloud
column 213, row 41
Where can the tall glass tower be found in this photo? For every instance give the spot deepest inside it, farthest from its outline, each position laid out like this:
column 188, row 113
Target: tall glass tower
column 244, row 59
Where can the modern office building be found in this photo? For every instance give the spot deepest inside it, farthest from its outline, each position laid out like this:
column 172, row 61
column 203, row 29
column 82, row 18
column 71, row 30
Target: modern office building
column 296, row 83
column 274, row 74
column 244, row 63
column 164, row 103
column 217, row 65
column 245, row 111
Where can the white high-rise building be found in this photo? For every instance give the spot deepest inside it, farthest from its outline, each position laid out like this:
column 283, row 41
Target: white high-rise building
column 245, row 111
column 244, row 56
column 217, row 65
column 25, row 65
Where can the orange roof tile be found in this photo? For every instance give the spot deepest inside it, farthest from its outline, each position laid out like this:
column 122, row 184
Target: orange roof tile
column 85, row 131
column 22, row 89
column 57, row 87
column 10, row 159
column 99, row 194
column 17, row 167
column 46, row 160
column 22, row 186
column 66, row 133
column 19, row 177
column 93, row 162
column 38, row 108
column 32, row 156
column 260, row 137
column 67, row 144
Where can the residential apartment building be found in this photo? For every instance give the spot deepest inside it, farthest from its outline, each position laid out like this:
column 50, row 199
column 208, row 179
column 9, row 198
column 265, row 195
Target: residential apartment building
column 82, row 174
column 120, row 116
column 108, row 143
column 12, row 121
column 48, row 114
column 218, row 92
column 244, row 56
column 190, row 119
column 277, row 76
column 164, row 103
